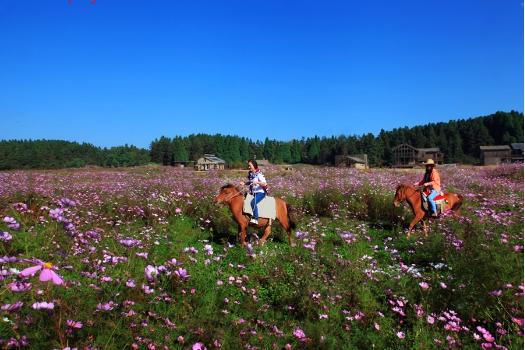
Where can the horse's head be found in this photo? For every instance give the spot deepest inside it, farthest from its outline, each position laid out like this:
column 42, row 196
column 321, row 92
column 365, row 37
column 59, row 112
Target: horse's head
column 400, row 195
column 226, row 193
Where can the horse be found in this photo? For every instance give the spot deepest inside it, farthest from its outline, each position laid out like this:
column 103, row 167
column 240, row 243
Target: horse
column 231, row 196
column 412, row 195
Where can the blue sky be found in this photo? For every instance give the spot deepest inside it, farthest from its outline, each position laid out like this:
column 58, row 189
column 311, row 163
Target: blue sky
column 118, row 71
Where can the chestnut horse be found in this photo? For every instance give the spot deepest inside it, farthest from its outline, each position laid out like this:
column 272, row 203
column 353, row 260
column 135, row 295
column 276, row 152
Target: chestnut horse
column 234, row 199
column 412, row 195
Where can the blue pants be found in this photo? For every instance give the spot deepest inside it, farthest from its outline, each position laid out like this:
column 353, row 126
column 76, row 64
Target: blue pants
column 257, row 197
column 431, row 197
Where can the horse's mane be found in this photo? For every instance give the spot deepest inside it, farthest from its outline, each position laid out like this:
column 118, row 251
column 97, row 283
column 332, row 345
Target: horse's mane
column 229, row 185
column 403, row 185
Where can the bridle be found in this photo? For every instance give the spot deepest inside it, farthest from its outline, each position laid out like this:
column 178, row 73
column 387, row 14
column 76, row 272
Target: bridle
column 232, row 196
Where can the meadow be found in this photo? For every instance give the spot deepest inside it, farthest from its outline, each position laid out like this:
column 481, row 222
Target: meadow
column 142, row 258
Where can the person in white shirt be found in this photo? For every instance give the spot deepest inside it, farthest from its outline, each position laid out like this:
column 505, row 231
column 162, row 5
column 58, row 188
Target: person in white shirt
column 258, row 188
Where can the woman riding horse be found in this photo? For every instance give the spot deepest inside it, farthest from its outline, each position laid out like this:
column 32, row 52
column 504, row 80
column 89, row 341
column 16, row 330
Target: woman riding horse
column 432, row 183
column 234, row 199
column 258, row 186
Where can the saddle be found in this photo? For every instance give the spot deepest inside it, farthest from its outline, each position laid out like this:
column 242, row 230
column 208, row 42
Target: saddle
column 440, row 200
column 266, row 207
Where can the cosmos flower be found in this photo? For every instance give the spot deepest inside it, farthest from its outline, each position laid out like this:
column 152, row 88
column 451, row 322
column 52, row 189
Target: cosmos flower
column 47, row 273
column 74, row 324
column 43, row 305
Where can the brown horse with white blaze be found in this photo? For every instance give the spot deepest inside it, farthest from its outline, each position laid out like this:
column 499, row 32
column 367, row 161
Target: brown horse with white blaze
column 412, row 195
column 234, row 199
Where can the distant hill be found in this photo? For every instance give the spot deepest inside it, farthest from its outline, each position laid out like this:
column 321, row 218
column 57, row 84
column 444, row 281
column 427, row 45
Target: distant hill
column 459, row 140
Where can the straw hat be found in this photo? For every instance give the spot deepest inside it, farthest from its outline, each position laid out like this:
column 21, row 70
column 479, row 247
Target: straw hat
column 430, row 162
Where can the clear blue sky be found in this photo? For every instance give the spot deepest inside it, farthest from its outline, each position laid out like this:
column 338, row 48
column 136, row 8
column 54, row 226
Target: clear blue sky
column 128, row 71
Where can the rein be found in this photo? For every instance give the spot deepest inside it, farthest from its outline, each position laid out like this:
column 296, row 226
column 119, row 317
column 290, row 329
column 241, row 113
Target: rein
column 233, row 196
column 413, row 193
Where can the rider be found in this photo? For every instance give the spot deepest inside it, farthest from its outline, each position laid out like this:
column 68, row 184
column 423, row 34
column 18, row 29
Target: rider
column 432, row 183
column 258, row 187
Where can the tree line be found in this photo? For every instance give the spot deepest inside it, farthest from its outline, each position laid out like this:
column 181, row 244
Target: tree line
column 459, row 140
column 54, row 154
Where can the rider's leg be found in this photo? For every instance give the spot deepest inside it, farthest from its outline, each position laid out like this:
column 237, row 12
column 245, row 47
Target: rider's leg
column 431, row 197
column 258, row 196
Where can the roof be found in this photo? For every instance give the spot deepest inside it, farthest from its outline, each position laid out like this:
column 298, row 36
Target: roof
column 517, row 146
column 263, row 162
column 428, row 150
column 403, row 145
column 356, row 159
column 212, row 158
column 495, row 148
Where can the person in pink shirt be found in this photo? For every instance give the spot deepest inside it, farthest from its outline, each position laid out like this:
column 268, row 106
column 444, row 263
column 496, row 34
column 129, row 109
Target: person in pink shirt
column 432, row 183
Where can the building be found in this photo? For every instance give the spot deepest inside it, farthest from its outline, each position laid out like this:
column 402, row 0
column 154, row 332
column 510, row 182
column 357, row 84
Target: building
column 494, row 155
column 406, row 156
column 262, row 162
column 182, row 164
column 517, row 152
column 210, row 162
column 358, row 161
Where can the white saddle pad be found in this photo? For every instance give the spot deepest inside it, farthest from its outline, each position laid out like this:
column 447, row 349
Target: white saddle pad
column 266, row 207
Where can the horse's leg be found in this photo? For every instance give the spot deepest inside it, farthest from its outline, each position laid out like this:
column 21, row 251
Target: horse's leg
column 413, row 223
column 267, row 231
column 282, row 217
column 425, row 227
column 242, row 233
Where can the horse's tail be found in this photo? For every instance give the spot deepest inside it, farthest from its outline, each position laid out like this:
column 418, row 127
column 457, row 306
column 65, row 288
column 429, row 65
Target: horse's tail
column 458, row 204
column 292, row 224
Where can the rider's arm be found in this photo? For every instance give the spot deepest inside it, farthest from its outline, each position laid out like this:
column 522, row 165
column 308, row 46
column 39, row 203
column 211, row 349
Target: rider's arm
column 260, row 180
column 434, row 180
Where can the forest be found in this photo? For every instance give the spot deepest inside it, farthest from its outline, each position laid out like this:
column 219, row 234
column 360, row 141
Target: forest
column 459, row 140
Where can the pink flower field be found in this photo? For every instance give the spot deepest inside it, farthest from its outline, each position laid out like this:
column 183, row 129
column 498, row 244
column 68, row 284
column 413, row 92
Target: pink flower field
column 142, row 258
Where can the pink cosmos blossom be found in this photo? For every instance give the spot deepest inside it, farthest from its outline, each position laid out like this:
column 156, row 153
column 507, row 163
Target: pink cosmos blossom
column 11, row 223
column 182, row 273
column 151, row 272
column 430, row 319
column 518, row 321
column 442, row 285
column 19, row 287
column 43, row 305
column 47, row 273
column 12, row 307
column 377, row 326
column 198, row 346
column 299, row 334
column 106, row 307
column 130, row 284
column 423, row 285
column 147, row 289
column 5, row 237
column 208, row 249
column 400, row 335
column 74, row 324
column 496, row 293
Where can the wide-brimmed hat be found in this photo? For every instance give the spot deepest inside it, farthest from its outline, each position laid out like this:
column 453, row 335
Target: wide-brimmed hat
column 430, row 162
